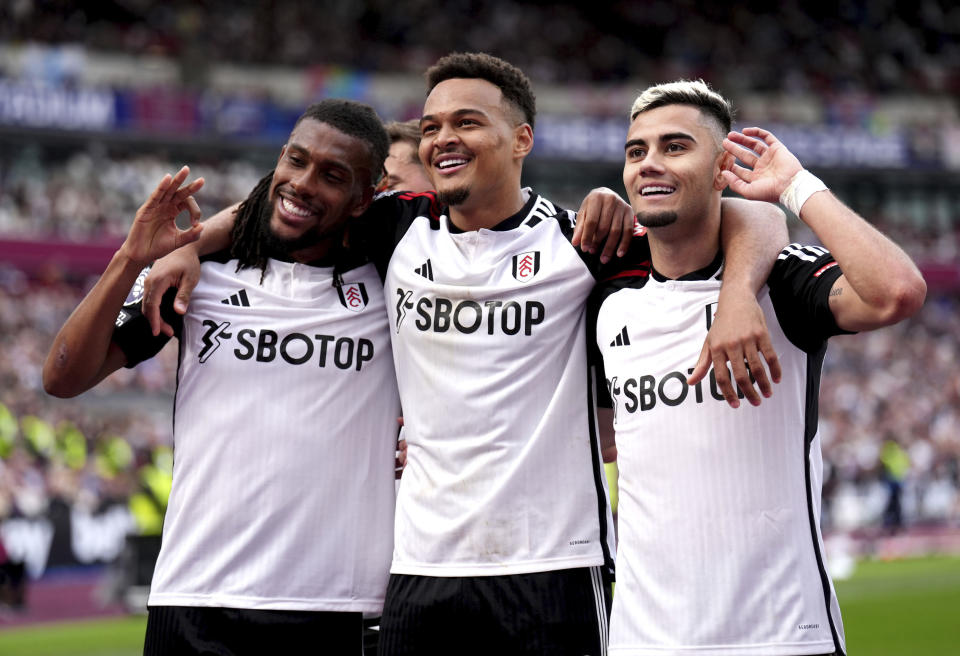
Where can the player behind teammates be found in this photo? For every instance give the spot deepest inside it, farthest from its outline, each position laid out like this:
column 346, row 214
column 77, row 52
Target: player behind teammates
column 279, row 528
column 403, row 170
column 503, row 535
column 720, row 550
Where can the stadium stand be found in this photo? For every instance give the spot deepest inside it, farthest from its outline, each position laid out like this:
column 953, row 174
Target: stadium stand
column 98, row 102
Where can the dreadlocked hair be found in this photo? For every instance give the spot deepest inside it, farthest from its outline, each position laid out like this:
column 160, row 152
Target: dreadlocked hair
column 249, row 234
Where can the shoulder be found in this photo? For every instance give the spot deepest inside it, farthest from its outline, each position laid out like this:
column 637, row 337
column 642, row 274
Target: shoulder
column 632, row 271
column 219, row 257
column 546, row 210
column 407, row 204
column 634, row 266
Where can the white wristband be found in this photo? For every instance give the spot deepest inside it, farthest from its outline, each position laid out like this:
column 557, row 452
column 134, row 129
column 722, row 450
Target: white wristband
column 802, row 186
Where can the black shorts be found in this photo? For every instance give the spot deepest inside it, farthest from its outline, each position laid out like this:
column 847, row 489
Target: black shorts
column 241, row 631
column 558, row 613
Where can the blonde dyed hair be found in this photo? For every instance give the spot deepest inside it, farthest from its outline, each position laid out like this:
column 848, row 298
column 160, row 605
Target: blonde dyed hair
column 695, row 93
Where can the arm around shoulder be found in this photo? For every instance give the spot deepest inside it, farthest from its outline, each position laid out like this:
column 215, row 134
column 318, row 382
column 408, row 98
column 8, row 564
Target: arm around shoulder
column 752, row 233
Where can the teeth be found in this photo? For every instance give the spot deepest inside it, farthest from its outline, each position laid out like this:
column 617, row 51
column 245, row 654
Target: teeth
column 294, row 209
column 451, row 162
column 656, row 190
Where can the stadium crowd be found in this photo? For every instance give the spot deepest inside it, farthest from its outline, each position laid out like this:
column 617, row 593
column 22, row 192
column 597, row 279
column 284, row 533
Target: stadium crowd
column 854, row 45
column 85, row 454
column 91, row 194
column 889, row 398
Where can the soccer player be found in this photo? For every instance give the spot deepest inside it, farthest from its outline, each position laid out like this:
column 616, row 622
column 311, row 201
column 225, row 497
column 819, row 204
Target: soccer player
column 719, row 543
column 503, row 539
column 278, row 533
column 403, row 170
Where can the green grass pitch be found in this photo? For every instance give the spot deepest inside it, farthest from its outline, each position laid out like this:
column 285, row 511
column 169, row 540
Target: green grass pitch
column 902, row 607
column 889, row 608
column 121, row 636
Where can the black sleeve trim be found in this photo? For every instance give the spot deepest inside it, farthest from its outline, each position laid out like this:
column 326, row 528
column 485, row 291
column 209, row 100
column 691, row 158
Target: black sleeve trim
column 377, row 232
column 133, row 335
column 800, row 285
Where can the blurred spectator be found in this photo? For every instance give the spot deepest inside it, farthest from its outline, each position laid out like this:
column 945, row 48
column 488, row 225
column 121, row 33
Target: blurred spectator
column 85, row 453
column 899, row 381
column 91, row 194
column 859, row 45
column 403, row 170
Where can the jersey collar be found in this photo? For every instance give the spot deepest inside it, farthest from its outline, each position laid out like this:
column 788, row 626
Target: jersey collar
column 706, row 273
column 507, row 224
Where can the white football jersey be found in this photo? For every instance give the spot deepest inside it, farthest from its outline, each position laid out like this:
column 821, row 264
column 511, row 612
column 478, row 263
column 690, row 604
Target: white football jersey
column 719, row 509
column 503, row 471
column 284, row 440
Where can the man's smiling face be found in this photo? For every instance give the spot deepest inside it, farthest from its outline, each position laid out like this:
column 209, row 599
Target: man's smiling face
column 317, row 186
column 671, row 165
column 468, row 140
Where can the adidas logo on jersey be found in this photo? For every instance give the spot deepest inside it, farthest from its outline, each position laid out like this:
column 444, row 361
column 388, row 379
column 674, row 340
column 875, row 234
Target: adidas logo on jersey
column 526, row 265
column 425, row 270
column 622, row 338
column 240, row 299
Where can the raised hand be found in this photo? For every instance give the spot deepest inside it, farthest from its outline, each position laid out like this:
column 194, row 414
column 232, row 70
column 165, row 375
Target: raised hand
column 154, row 232
column 772, row 166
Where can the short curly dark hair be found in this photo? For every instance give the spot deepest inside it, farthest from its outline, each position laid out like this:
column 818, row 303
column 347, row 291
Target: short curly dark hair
column 513, row 84
column 356, row 120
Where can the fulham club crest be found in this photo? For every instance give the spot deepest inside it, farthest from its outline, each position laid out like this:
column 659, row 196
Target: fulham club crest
column 353, row 296
column 526, row 265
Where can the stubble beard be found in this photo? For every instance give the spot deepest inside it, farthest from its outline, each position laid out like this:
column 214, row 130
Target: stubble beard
column 285, row 247
column 656, row 219
column 454, row 197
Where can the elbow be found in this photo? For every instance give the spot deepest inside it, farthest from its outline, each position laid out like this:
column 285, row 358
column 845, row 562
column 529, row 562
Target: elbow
column 57, row 378
column 911, row 298
column 905, row 299
column 57, row 385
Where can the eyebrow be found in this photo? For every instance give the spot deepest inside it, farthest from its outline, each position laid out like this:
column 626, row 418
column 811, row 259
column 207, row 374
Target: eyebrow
column 326, row 161
column 670, row 136
column 455, row 114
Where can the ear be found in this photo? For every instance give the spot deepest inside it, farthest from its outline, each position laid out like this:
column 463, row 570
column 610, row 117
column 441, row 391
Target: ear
column 280, row 156
column 522, row 140
column 724, row 163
